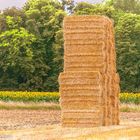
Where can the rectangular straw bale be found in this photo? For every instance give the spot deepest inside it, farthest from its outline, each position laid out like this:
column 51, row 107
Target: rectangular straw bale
column 82, row 125
column 84, row 30
column 81, row 105
column 101, row 68
column 97, row 66
column 68, row 25
column 84, row 49
column 79, row 81
column 84, row 42
column 85, row 63
column 91, row 74
column 85, row 18
column 80, row 92
column 89, row 82
column 83, row 114
column 82, row 120
column 82, row 36
column 81, row 98
column 88, row 58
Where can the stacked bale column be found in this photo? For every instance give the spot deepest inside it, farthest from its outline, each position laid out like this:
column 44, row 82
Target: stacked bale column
column 89, row 85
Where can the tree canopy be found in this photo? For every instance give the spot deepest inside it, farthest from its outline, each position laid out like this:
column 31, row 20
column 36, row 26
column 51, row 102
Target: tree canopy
column 31, row 42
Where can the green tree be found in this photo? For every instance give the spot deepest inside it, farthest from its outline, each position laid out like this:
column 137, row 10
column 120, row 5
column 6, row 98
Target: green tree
column 31, row 42
column 129, row 6
column 127, row 28
column 44, row 20
column 13, row 20
column 16, row 56
column 85, row 8
column 15, row 17
column 128, row 52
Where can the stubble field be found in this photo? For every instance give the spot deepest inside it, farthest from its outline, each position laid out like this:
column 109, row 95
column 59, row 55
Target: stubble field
column 45, row 125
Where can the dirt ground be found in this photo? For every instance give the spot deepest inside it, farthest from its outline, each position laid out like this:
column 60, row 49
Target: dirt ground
column 45, row 125
column 21, row 119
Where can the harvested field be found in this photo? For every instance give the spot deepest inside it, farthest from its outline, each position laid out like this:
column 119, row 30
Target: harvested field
column 20, row 119
column 30, row 115
column 41, row 121
column 45, row 125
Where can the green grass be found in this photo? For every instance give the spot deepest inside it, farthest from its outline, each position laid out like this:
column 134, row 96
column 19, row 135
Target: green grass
column 129, row 108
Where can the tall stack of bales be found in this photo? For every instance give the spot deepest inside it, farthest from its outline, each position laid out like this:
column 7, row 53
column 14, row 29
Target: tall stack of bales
column 89, row 85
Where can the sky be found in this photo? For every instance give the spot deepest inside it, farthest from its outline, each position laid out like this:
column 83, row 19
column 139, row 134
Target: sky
column 19, row 3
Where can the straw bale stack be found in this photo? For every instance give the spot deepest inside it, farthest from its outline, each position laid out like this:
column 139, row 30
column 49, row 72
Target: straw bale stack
column 89, row 85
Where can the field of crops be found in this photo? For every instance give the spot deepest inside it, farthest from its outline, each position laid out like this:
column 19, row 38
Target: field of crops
column 29, row 96
column 130, row 98
column 54, row 97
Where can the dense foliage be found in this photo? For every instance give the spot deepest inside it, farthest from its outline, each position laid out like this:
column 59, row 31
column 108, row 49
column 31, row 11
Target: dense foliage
column 31, row 42
column 31, row 46
column 128, row 51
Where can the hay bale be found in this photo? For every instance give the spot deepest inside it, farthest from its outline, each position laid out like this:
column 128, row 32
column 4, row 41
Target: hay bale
column 89, row 85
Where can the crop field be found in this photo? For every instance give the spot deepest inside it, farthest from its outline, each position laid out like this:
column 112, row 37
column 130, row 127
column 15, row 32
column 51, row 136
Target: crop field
column 29, row 96
column 7, row 96
column 130, row 98
column 32, row 115
column 39, row 124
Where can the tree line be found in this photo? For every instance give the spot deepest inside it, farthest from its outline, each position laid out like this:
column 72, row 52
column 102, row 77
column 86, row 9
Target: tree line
column 31, row 42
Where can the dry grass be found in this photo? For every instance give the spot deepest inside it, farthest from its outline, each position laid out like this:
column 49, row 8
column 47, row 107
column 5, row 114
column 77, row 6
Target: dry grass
column 56, row 132
column 29, row 106
column 125, row 107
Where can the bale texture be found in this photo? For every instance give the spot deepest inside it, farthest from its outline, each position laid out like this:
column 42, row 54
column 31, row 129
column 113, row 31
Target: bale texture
column 89, row 84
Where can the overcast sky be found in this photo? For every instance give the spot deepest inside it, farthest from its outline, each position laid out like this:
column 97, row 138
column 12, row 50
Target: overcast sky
column 19, row 3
